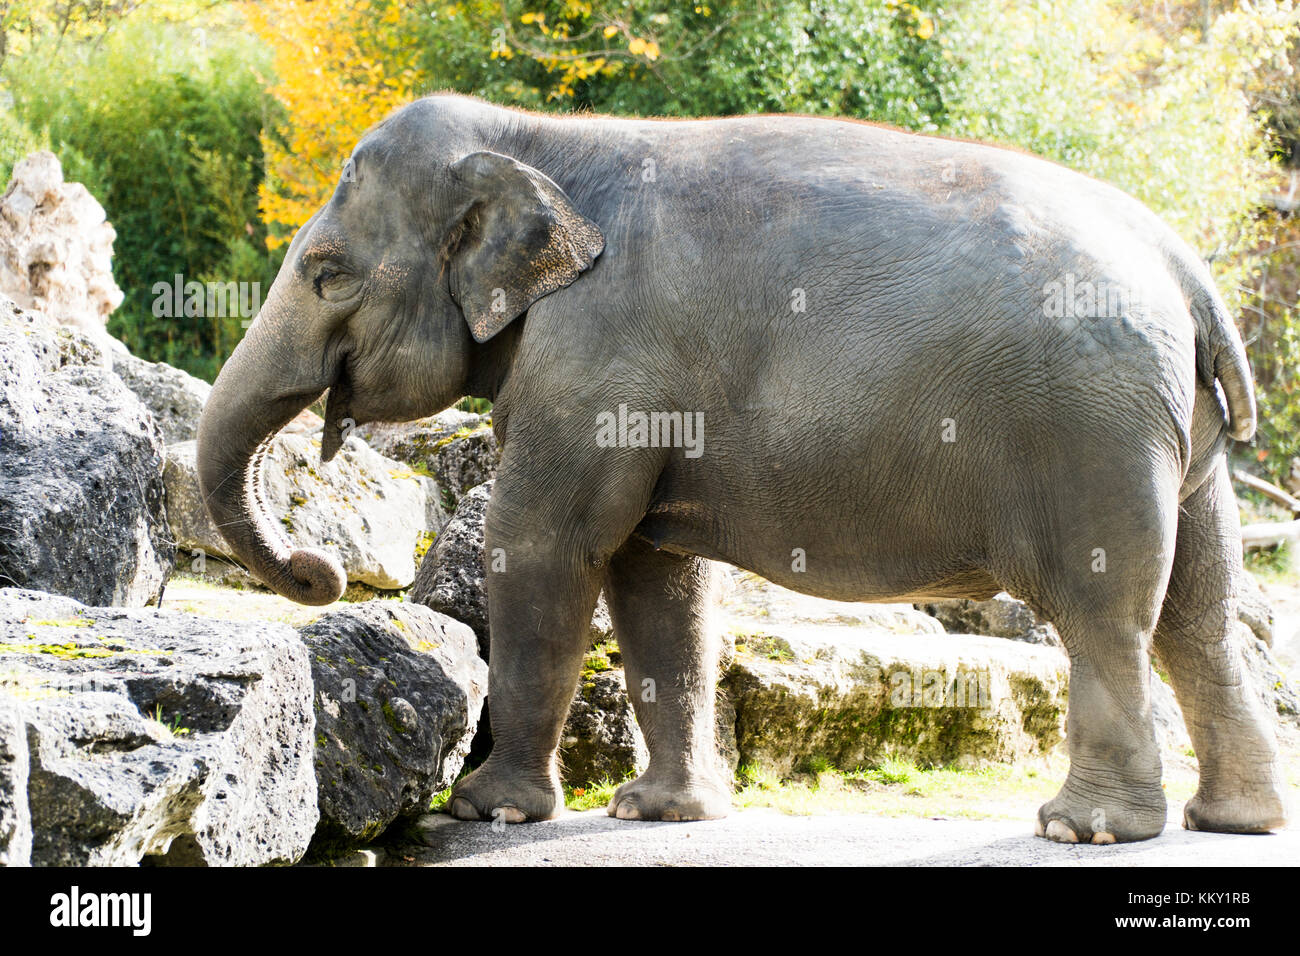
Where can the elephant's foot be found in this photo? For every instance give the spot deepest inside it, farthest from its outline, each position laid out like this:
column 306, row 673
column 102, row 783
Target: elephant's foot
column 656, row 798
column 497, row 795
column 1256, row 810
column 1080, row 814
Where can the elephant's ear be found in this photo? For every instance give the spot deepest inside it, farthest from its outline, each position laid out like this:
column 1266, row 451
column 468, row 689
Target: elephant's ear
column 521, row 239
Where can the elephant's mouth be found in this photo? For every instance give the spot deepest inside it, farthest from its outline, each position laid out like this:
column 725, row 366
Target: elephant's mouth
column 338, row 416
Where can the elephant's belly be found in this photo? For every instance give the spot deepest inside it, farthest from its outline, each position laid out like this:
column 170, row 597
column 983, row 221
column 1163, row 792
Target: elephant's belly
column 822, row 563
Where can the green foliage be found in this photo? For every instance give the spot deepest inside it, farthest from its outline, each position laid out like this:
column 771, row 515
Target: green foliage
column 162, row 123
column 16, row 141
column 593, row 795
column 1272, row 564
column 1165, row 119
column 1279, row 403
column 875, row 60
column 163, row 112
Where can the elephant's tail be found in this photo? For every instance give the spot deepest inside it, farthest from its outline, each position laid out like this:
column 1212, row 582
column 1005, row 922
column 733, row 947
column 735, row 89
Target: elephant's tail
column 1220, row 354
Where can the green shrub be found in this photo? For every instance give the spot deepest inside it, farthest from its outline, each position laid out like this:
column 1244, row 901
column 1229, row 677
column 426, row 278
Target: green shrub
column 871, row 59
column 162, row 124
column 16, row 141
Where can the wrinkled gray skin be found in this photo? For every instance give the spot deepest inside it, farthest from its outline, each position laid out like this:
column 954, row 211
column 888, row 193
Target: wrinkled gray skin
column 922, row 428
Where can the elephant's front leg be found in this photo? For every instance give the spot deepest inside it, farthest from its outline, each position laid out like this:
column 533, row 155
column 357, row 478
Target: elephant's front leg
column 541, row 594
column 558, row 514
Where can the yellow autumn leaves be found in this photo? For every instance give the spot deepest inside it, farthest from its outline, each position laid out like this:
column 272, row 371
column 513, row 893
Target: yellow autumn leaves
column 340, row 66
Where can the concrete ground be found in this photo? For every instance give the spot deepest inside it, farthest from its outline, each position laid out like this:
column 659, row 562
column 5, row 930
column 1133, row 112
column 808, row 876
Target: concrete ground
column 762, row 837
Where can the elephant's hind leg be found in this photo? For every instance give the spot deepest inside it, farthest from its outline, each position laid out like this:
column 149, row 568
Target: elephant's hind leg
column 1241, row 789
column 1100, row 577
column 660, row 605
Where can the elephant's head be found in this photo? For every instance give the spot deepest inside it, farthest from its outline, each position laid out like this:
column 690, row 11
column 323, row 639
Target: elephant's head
column 428, row 248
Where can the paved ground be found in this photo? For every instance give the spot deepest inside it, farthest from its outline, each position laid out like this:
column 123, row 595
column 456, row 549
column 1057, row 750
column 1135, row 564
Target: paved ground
column 768, row 837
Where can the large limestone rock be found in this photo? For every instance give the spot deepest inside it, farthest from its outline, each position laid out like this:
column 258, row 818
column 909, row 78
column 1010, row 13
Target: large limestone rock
column 1254, row 609
column 852, row 696
column 371, row 512
column 56, row 249
column 81, row 489
column 15, row 817
column 852, row 684
column 452, row 577
column 1000, row 616
column 1277, row 690
column 174, row 397
column 457, row 448
column 399, row 692
column 159, row 734
column 1004, row 616
column 601, row 739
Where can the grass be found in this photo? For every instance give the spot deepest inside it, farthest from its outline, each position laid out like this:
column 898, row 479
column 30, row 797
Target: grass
column 1274, row 565
column 901, row 789
column 173, row 726
column 594, row 796
column 208, row 598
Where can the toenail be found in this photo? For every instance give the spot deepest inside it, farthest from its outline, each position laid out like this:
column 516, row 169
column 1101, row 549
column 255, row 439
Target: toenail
column 1058, row 831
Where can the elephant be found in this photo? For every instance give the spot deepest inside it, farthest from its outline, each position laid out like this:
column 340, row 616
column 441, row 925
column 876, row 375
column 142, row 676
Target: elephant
column 865, row 364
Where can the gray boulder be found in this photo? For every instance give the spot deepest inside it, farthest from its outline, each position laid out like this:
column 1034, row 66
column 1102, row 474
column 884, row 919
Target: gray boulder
column 1255, row 610
column 1004, row 616
column 56, row 249
column 1171, row 728
column 452, row 577
column 160, row 734
column 399, row 691
column 15, row 818
column 372, row 512
column 601, row 738
column 174, row 397
column 853, row 696
column 1000, row 616
column 1276, row 689
column 81, row 489
column 457, row 448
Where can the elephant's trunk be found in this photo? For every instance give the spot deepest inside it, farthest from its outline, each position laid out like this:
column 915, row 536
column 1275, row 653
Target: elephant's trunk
column 243, row 414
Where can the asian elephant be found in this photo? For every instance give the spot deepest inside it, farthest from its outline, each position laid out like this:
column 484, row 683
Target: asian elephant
column 864, row 364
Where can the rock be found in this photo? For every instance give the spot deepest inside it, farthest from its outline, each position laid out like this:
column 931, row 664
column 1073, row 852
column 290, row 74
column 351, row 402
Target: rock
column 1279, row 693
column 1254, row 609
column 56, row 249
column 601, row 738
column 160, row 734
column 371, row 512
column 1000, row 616
column 853, row 696
column 399, row 691
column 174, row 398
column 1004, row 616
column 359, row 859
column 15, row 818
column 457, row 448
column 1171, row 730
column 81, row 488
column 745, row 595
column 451, row 579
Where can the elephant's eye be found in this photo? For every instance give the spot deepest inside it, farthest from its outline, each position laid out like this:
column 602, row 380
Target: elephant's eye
column 325, row 275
